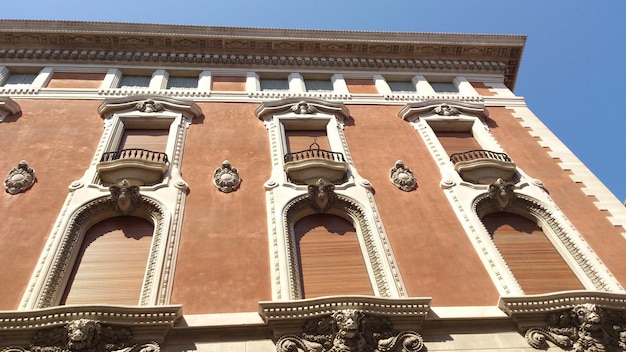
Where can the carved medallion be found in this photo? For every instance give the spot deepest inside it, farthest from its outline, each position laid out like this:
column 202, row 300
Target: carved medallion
column 446, row 110
column 149, row 106
column 502, row 193
column 351, row 330
column 303, row 108
column 584, row 328
column 321, row 195
column 84, row 335
column 402, row 177
column 20, row 178
column 125, row 197
column 226, row 178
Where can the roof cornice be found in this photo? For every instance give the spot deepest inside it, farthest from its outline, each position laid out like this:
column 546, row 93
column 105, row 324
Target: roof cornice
column 196, row 40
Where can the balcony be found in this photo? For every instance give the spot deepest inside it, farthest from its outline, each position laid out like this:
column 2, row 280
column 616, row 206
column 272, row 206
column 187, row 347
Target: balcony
column 140, row 167
column 308, row 166
column 483, row 166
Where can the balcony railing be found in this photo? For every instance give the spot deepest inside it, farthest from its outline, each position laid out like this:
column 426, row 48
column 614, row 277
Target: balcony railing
column 479, row 154
column 314, row 152
column 308, row 166
column 135, row 153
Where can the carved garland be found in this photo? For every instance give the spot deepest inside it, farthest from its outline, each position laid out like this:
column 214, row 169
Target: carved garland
column 519, row 203
column 103, row 207
column 352, row 209
column 85, row 335
column 351, row 330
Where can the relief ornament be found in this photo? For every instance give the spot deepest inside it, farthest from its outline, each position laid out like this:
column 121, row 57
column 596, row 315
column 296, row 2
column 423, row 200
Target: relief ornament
column 350, row 330
column 84, row 335
column 584, row 328
column 226, row 178
column 402, row 177
column 20, row 178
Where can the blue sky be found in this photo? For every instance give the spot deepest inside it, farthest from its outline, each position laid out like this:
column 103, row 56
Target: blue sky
column 572, row 72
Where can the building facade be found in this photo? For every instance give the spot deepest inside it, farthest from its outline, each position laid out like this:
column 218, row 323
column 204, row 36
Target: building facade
column 183, row 188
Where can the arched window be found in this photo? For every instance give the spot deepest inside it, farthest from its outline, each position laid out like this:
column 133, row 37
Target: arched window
column 535, row 263
column 330, row 257
column 111, row 263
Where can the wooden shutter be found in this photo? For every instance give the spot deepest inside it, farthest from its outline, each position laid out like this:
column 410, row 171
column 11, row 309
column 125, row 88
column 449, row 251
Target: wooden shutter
column 331, row 261
column 111, row 264
column 154, row 140
column 457, row 142
column 534, row 261
column 302, row 140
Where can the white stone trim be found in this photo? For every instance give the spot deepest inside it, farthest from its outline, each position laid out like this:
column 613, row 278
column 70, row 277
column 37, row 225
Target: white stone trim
column 159, row 80
column 281, row 195
column 4, row 74
column 166, row 199
column 593, row 187
column 462, row 196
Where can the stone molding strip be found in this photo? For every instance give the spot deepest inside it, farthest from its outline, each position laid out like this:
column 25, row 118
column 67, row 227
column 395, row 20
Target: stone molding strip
column 534, row 310
column 130, row 316
column 593, row 187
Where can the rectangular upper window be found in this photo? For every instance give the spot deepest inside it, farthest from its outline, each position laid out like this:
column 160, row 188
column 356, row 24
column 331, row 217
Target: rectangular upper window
column 182, row 82
column 19, row 80
column 318, row 85
column 129, row 82
column 274, row 84
column 444, row 87
column 402, row 86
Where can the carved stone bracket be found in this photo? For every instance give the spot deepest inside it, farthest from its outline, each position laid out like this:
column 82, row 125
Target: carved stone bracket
column 226, row 178
column 85, row 335
column 20, row 178
column 585, row 327
column 583, row 321
column 402, row 177
column 321, row 196
column 351, row 330
column 125, row 197
column 502, row 193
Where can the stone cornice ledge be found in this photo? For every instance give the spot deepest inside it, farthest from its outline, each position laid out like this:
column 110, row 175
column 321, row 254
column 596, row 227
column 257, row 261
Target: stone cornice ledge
column 146, row 323
column 8, row 107
column 290, row 316
column 533, row 310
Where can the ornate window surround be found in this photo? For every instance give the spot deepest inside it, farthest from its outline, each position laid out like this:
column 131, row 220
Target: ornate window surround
column 286, row 202
column 465, row 198
column 87, row 203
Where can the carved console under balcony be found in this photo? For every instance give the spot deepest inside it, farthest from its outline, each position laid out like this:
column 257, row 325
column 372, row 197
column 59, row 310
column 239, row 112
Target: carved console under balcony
column 311, row 165
column 483, row 166
column 140, row 167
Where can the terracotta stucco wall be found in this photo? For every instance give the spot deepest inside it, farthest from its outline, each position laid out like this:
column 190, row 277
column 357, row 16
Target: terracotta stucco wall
column 58, row 139
column 433, row 252
column 605, row 239
column 223, row 261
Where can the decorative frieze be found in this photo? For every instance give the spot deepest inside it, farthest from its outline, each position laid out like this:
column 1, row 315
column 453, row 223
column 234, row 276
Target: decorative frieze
column 20, row 179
